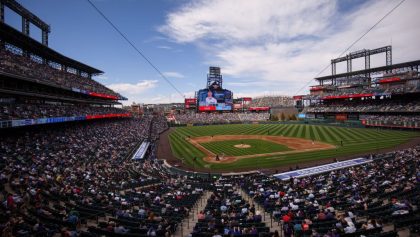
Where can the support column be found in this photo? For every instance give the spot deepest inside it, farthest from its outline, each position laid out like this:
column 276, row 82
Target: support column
column 349, row 64
column 25, row 31
column 333, row 68
column 389, row 57
column 367, row 63
column 45, row 37
column 25, row 26
column 2, row 45
column 1, row 11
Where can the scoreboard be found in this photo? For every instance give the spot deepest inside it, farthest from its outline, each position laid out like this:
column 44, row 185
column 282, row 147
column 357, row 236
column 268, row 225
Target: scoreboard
column 190, row 103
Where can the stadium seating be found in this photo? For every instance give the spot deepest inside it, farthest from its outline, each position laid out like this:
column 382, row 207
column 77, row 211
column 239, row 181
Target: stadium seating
column 272, row 101
column 78, row 179
column 32, row 111
column 62, row 178
column 216, row 118
column 370, row 106
column 13, row 62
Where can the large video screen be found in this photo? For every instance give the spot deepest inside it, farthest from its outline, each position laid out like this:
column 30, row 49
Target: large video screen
column 214, row 100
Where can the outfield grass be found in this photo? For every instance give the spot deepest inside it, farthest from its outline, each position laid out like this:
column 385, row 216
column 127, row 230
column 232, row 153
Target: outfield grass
column 257, row 147
column 355, row 140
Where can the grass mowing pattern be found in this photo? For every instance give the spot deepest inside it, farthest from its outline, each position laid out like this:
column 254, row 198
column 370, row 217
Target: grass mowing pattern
column 257, row 147
column 355, row 140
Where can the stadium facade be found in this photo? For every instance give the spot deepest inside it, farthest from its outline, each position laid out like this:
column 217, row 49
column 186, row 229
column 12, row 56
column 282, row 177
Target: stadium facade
column 386, row 96
column 39, row 85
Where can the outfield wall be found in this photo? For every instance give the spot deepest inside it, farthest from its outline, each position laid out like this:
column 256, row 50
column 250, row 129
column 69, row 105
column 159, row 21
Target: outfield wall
column 355, row 124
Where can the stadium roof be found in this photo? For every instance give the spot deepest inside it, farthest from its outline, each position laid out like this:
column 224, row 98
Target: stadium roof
column 372, row 70
column 18, row 39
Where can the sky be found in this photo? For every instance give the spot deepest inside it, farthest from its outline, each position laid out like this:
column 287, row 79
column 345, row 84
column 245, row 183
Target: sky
column 264, row 47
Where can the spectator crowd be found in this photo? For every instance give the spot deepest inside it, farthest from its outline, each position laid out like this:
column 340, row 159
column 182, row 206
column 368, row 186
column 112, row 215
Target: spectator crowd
column 54, row 180
column 219, row 118
column 272, row 101
column 387, row 119
column 65, row 175
column 365, row 106
column 399, row 89
column 13, row 62
column 78, row 179
column 34, row 111
column 355, row 201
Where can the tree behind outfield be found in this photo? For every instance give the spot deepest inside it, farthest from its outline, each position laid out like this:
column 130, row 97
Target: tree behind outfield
column 282, row 117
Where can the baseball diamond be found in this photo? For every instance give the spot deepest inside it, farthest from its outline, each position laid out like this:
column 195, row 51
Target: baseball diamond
column 302, row 143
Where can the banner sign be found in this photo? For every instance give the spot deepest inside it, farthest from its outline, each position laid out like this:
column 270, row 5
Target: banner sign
column 259, row 108
column 190, row 101
column 321, row 169
column 316, row 88
column 97, row 116
column 100, row 95
column 28, row 122
column 341, row 117
column 106, row 96
column 389, row 80
column 383, row 94
column 207, row 108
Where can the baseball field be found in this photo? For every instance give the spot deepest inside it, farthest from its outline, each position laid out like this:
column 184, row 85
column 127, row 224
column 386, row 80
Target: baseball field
column 258, row 146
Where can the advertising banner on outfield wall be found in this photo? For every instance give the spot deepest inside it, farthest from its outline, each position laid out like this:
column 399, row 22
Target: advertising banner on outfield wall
column 341, row 117
column 310, row 116
column 301, row 116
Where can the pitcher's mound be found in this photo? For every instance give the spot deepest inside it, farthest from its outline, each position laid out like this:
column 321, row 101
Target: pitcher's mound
column 242, row 146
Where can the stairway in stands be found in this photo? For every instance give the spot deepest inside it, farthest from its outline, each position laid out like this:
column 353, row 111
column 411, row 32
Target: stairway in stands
column 187, row 225
column 266, row 216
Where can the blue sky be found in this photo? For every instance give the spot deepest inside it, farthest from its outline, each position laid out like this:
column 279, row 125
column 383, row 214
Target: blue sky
column 265, row 47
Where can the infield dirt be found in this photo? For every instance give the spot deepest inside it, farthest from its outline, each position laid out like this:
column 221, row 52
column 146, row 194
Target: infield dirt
column 242, row 146
column 297, row 145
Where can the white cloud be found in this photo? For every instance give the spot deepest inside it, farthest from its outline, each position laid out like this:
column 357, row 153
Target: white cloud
column 173, row 75
column 254, row 94
column 189, row 94
column 133, row 89
column 101, row 77
column 251, row 20
column 135, row 92
column 163, row 47
column 283, row 44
